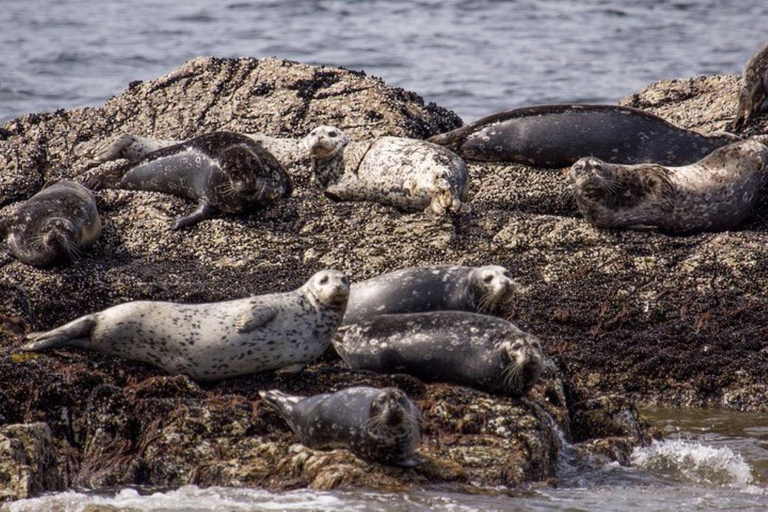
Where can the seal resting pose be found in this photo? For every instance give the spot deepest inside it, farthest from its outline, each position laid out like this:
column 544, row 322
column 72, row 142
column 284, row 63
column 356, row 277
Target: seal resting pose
column 409, row 174
column 55, row 225
column 754, row 85
column 715, row 194
column 282, row 331
column 381, row 425
column 555, row 136
column 479, row 351
column 222, row 171
column 488, row 289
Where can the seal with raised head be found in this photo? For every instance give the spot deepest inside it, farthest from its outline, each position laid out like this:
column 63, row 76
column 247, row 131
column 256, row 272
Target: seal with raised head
column 715, row 194
column 281, row 331
column 555, row 136
column 222, row 171
column 55, row 225
column 409, row 174
column 380, row 425
column 754, row 86
column 470, row 349
column 489, row 289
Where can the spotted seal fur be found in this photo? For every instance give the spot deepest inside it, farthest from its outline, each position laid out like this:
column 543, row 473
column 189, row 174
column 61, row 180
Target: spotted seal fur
column 55, row 225
column 281, row 331
column 381, row 425
column 715, row 194
column 470, row 349
column 488, row 289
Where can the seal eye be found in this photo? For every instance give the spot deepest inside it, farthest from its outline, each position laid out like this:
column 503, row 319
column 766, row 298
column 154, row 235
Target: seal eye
column 324, row 280
column 488, row 279
column 332, row 133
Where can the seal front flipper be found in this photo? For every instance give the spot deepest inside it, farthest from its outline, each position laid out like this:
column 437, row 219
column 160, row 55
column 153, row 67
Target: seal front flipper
column 255, row 318
column 290, row 369
column 73, row 333
column 204, row 211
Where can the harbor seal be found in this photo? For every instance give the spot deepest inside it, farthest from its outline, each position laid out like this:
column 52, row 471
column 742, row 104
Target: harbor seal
column 55, row 225
column 754, row 85
column 223, row 171
column 470, row 349
column 218, row 340
column 556, row 136
column 489, row 289
column 409, row 174
column 715, row 194
column 380, row 425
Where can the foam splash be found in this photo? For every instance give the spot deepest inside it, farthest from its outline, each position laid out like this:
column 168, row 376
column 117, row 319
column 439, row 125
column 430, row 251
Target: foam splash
column 694, row 462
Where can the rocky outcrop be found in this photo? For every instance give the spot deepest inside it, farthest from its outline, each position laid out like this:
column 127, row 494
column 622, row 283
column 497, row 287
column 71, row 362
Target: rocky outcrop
column 672, row 320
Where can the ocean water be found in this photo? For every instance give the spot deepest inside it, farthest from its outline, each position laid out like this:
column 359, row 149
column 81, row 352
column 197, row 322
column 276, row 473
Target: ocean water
column 473, row 56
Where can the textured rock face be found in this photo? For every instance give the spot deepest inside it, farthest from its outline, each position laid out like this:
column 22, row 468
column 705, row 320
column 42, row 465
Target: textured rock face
column 674, row 320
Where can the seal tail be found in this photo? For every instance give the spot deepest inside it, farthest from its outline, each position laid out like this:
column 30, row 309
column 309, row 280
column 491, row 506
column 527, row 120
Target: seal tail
column 278, row 400
column 73, row 333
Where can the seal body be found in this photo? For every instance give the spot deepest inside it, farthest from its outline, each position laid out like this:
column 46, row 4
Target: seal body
column 409, row 174
column 715, row 194
column 555, row 136
column 221, row 171
column 381, row 425
column 489, row 289
column 479, row 351
column 754, row 85
column 214, row 341
column 55, row 225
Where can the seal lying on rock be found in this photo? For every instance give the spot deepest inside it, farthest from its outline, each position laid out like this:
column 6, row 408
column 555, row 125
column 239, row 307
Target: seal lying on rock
column 283, row 331
column 754, row 85
column 558, row 135
column 381, row 425
column 409, row 174
column 222, row 171
column 55, row 225
column 479, row 351
column 715, row 194
column 488, row 289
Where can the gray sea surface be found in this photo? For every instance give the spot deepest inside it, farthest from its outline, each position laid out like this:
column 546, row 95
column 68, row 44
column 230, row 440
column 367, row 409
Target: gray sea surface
column 474, row 56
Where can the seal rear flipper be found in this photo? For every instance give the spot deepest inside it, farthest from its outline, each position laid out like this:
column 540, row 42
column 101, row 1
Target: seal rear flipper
column 255, row 318
column 204, row 211
column 73, row 333
column 281, row 402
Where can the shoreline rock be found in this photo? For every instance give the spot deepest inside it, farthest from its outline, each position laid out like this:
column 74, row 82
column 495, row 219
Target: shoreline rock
column 684, row 313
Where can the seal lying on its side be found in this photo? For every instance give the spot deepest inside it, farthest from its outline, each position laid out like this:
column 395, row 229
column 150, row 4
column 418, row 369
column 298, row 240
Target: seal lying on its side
column 222, row 171
column 715, row 194
column 479, row 351
column 283, row 331
column 409, row 174
column 55, row 225
column 488, row 289
column 381, row 425
column 558, row 135
column 754, row 85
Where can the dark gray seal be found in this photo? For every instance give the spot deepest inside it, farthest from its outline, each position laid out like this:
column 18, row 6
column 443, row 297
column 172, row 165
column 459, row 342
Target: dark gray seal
column 754, row 85
column 55, row 225
column 489, row 289
column 223, row 171
column 479, row 351
column 556, row 136
column 409, row 174
column 380, row 425
column 282, row 331
column 715, row 194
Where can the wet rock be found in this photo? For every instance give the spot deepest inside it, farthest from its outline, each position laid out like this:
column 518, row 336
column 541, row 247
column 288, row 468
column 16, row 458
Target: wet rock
column 27, row 461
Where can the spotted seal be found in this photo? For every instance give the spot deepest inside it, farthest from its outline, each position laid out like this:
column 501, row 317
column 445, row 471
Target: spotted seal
column 479, row 351
column 714, row 194
column 55, row 225
column 489, row 289
column 223, row 171
column 282, row 331
column 555, row 136
column 409, row 174
column 381, row 425
column 754, row 85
